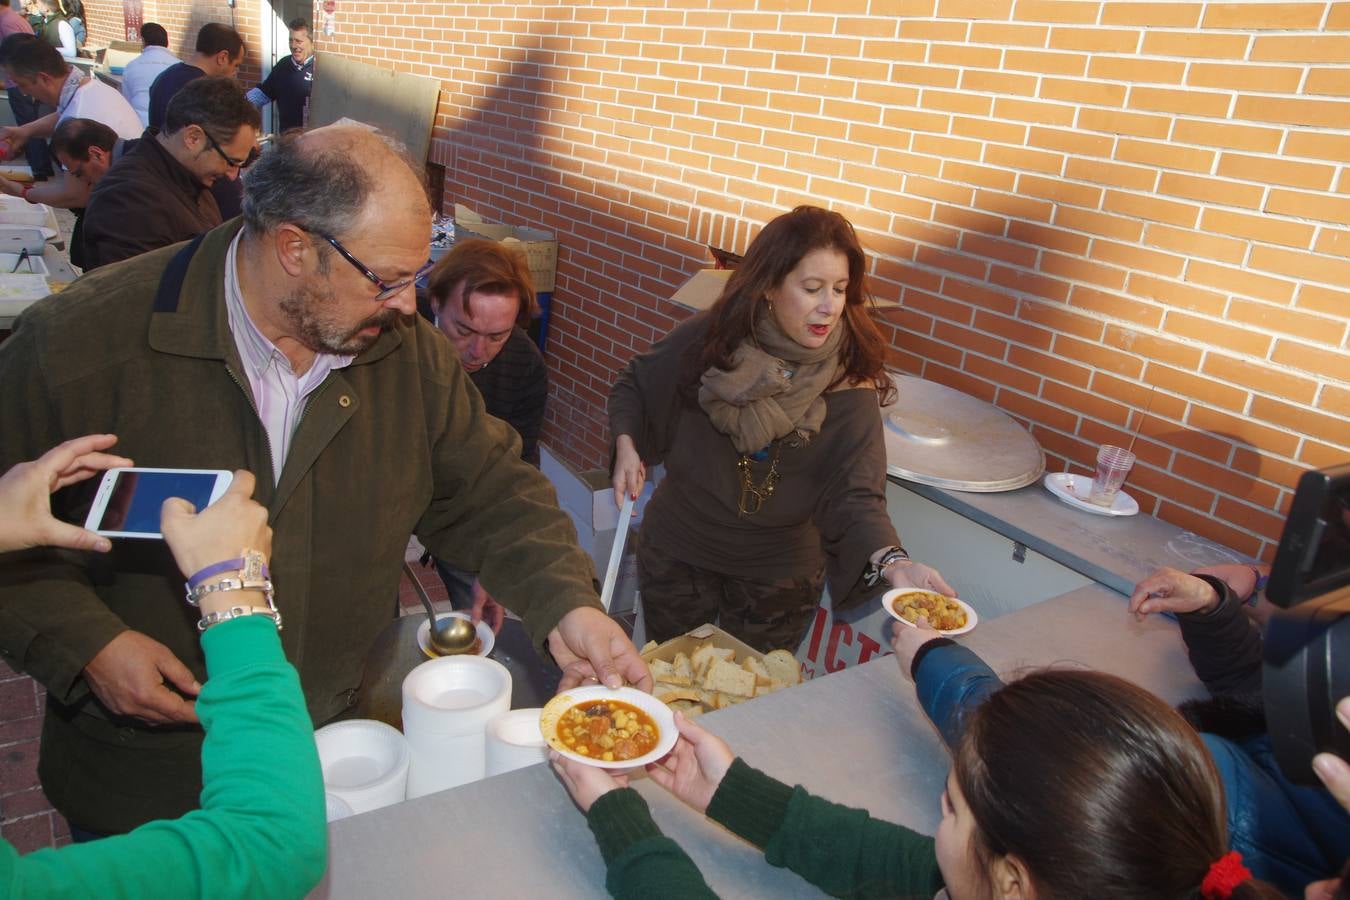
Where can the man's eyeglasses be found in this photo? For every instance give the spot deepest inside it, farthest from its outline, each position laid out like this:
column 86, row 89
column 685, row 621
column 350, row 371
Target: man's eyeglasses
column 253, row 153
column 386, row 290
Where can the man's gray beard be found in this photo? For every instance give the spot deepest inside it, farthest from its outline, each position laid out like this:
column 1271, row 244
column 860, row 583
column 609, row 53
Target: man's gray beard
column 301, row 308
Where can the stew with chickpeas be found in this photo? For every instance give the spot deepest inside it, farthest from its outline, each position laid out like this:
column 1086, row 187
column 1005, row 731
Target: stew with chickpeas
column 608, row 730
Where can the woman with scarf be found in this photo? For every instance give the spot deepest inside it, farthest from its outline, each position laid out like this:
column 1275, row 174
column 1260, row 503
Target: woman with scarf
column 766, row 413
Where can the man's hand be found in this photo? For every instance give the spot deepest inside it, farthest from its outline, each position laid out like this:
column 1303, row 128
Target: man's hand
column 25, row 510
column 909, row 574
column 586, row 784
column 695, row 768
column 485, row 609
column 906, row 642
column 589, row 645
column 129, row 676
column 1171, row 590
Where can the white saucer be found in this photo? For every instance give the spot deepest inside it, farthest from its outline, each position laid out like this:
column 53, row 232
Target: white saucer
column 1074, row 490
column 484, row 634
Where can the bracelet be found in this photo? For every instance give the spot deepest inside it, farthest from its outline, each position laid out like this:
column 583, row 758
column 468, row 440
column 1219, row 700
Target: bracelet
column 877, row 570
column 252, row 569
column 235, row 612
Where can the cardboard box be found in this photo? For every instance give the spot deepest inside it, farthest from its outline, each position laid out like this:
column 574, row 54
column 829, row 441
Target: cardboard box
column 540, row 247
column 703, row 634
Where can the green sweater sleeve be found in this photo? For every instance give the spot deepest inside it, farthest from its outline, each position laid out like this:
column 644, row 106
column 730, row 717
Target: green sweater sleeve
column 642, row 862
column 842, row 851
column 260, row 832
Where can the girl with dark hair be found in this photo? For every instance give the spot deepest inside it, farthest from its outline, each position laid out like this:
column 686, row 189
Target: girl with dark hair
column 766, row 413
column 1065, row 785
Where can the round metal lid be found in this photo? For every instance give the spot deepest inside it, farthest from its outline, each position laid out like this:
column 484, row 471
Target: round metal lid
column 937, row 435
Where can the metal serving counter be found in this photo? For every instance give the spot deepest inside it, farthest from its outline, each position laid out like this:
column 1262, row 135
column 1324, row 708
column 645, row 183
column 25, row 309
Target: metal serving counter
column 857, row 737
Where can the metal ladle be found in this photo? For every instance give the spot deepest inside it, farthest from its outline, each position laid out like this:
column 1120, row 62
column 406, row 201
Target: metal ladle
column 450, row 636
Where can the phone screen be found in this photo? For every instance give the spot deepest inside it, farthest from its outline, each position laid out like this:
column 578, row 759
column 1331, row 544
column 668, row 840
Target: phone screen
column 136, row 498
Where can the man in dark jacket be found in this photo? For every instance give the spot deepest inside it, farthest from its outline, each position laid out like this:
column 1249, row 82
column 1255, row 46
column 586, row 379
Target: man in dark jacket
column 274, row 347
column 160, row 192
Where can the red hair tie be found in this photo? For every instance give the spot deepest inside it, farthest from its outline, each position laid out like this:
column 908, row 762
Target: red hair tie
column 1225, row 873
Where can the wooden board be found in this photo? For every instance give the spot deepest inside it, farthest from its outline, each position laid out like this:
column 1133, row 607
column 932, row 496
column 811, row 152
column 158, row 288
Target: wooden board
column 400, row 104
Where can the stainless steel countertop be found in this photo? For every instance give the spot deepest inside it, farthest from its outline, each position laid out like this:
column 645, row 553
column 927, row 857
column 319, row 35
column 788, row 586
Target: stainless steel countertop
column 1113, row 551
column 518, row 834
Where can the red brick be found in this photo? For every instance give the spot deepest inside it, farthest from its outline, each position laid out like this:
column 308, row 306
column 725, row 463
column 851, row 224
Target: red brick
column 1149, row 315
column 1239, row 281
column 1325, row 300
column 1085, row 403
column 27, row 835
column 1242, row 428
column 1015, row 330
column 1036, row 410
column 1290, row 111
column 1075, row 268
column 1098, row 356
column 1145, row 400
column 1156, row 209
column 1078, row 90
column 1071, row 141
column 1263, row 378
column 1152, row 347
column 1258, row 463
column 981, row 297
column 1322, row 427
column 1031, row 283
column 1004, row 375
column 1318, row 455
column 937, row 306
column 961, row 381
column 1286, row 321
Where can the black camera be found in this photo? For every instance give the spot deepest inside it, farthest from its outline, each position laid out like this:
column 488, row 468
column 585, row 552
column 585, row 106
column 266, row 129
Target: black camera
column 1307, row 641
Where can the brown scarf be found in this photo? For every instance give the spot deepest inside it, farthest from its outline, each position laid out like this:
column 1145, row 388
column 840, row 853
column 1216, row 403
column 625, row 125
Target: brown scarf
column 772, row 389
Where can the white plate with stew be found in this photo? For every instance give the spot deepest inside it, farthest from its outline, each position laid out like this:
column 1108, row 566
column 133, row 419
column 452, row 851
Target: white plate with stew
column 898, row 596
column 588, row 724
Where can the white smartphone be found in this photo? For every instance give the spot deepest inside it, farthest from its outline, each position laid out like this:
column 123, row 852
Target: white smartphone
column 128, row 500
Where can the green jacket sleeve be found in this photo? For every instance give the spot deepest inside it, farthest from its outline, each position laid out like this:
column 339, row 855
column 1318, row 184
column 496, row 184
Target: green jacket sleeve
column 842, row 851
column 51, row 620
column 641, row 861
column 260, row 832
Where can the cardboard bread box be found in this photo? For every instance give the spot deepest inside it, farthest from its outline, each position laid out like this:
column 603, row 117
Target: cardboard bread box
column 540, row 247
column 741, row 674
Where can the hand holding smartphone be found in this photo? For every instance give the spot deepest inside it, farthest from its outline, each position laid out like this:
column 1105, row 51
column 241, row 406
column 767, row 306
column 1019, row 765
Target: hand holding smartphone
column 128, row 501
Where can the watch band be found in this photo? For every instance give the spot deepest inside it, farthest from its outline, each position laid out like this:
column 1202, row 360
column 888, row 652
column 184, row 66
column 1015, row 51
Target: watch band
column 877, row 570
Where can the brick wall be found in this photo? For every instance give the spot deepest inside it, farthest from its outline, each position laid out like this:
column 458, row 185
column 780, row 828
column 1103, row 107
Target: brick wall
column 1085, row 208
column 181, row 19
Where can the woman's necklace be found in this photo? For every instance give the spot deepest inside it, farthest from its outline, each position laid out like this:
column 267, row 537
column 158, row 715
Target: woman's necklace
column 753, row 495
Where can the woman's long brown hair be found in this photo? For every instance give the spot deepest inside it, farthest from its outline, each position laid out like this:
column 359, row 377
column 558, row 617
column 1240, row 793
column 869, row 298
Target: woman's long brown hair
column 772, row 255
column 1100, row 789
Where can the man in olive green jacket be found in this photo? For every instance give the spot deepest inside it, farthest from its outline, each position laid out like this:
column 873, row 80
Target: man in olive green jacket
column 393, row 441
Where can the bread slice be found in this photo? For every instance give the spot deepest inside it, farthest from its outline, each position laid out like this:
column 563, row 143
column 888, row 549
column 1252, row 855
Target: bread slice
column 662, row 671
column 783, row 666
column 669, row 696
column 705, row 654
column 729, row 678
column 684, row 670
column 755, row 666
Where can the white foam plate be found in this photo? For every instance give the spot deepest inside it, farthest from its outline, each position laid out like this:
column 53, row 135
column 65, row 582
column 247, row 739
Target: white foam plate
column 1074, row 490
column 887, row 599
column 47, row 233
column 553, row 712
column 424, row 634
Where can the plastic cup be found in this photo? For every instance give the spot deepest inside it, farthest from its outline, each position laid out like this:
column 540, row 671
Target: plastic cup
column 1113, row 466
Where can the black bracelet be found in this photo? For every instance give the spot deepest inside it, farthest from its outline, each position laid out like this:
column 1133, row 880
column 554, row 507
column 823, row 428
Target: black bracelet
column 876, row 570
